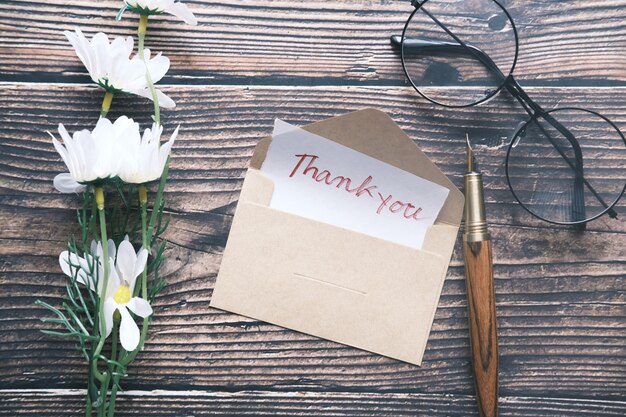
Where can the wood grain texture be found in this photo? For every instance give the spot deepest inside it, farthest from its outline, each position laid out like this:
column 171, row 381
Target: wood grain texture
column 561, row 294
column 481, row 304
column 262, row 403
column 560, row 307
column 307, row 43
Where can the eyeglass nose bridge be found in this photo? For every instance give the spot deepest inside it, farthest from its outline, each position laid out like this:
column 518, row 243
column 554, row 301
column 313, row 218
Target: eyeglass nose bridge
column 518, row 133
column 520, row 130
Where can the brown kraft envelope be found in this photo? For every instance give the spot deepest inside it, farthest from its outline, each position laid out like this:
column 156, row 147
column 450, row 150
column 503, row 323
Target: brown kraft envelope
column 331, row 282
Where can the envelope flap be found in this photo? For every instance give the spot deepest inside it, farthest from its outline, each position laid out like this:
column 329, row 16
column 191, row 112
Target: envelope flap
column 375, row 134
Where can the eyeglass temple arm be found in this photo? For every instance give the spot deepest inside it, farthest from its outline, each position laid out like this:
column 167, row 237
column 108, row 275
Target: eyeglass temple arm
column 450, row 47
column 529, row 105
column 479, row 54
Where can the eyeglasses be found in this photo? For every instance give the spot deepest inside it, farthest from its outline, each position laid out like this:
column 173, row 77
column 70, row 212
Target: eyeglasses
column 460, row 53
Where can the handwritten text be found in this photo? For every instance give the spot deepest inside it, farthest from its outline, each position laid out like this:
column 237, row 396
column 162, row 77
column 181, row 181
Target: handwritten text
column 305, row 165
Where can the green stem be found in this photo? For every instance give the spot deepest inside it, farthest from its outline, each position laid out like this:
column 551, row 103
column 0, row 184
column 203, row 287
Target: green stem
column 146, row 242
column 106, row 103
column 92, row 221
column 113, row 397
column 92, row 391
column 143, row 201
column 105, row 280
column 104, row 389
column 114, row 336
column 158, row 200
column 144, row 274
column 89, row 405
column 141, row 33
column 146, row 235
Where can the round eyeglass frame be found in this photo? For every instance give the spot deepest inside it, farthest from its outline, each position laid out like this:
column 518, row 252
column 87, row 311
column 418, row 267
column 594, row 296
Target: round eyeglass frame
column 513, row 143
column 458, row 106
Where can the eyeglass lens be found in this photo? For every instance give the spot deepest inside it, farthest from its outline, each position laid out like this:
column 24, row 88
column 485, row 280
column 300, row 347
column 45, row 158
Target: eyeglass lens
column 548, row 180
column 444, row 71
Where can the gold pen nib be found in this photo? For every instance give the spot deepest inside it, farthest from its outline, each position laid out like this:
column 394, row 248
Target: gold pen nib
column 475, row 219
column 470, row 155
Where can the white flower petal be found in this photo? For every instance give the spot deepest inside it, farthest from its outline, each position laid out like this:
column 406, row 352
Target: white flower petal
column 81, row 46
column 112, row 250
column 104, row 128
column 98, row 249
column 129, row 332
column 114, row 280
column 126, row 260
column 82, row 160
column 182, row 12
column 122, row 46
column 109, row 310
column 102, row 53
column 65, row 183
column 134, row 74
column 140, row 307
column 64, row 133
column 64, row 262
column 164, row 100
column 157, row 66
column 140, row 264
column 76, row 267
column 68, row 158
column 165, row 149
column 61, row 150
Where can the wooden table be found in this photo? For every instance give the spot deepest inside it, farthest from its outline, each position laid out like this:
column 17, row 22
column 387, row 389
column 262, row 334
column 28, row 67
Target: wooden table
column 561, row 295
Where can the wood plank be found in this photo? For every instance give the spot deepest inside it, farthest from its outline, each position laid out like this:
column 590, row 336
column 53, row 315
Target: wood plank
column 555, row 339
column 221, row 125
column 560, row 306
column 260, row 403
column 311, row 43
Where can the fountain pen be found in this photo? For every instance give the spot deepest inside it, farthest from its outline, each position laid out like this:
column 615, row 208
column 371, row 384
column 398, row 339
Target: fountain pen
column 480, row 292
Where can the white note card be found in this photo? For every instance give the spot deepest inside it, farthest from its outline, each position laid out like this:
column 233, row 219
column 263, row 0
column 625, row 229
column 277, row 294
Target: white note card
column 324, row 181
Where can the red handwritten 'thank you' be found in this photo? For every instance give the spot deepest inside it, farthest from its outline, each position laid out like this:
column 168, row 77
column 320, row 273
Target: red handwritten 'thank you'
column 366, row 188
column 322, row 180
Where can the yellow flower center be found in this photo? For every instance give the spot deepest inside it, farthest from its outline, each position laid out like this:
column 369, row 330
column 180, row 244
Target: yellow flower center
column 122, row 295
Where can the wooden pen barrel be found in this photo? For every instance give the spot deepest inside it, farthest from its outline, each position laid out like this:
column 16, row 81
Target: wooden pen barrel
column 482, row 324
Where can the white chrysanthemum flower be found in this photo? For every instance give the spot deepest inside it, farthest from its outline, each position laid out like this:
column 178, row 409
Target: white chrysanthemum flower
column 129, row 266
column 110, row 66
column 144, row 158
column 148, row 7
column 125, row 267
column 92, row 157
